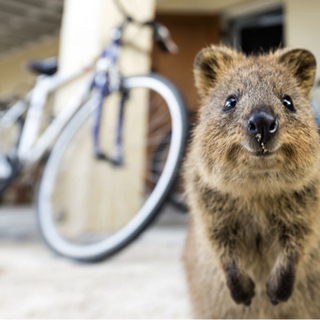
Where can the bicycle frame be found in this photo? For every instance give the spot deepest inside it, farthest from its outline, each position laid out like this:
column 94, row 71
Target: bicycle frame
column 31, row 148
column 106, row 79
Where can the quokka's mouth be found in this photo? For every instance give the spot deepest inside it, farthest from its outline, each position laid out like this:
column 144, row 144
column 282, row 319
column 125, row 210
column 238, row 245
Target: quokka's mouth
column 263, row 153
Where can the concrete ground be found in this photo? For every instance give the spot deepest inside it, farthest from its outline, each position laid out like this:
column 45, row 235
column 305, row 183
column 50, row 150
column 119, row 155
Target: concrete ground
column 146, row 280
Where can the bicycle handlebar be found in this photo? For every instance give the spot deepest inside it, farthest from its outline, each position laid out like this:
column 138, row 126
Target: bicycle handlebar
column 162, row 37
column 161, row 34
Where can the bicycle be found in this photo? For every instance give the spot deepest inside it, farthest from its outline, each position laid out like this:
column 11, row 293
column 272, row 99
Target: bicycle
column 177, row 196
column 76, row 142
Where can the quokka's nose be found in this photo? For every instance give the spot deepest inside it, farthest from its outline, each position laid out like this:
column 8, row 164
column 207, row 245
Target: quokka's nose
column 262, row 125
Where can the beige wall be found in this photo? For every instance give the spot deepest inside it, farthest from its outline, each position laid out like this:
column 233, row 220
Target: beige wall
column 16, row 79
column 111, row 202
column 302, row 26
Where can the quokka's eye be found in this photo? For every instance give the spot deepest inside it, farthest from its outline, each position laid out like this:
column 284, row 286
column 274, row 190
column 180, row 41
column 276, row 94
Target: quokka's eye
column 230, row 104
column 287, row 102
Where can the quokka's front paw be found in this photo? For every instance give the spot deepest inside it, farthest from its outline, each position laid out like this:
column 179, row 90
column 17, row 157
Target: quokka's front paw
column 241, row 288
column 280, row 284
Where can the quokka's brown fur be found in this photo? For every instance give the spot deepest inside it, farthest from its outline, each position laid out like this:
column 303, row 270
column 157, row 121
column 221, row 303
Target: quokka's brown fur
column 253, row 247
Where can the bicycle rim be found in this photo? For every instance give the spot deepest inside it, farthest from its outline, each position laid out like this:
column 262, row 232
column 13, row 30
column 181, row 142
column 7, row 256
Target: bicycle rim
column 89, row 216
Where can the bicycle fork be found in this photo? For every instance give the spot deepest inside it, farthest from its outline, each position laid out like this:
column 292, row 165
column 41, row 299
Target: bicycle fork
column 117, row 158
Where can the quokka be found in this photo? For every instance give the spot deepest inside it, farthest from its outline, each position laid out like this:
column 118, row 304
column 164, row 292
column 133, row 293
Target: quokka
column 252, row 177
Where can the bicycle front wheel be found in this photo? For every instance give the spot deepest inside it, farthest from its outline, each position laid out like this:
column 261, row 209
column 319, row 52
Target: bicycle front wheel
column 88, row 208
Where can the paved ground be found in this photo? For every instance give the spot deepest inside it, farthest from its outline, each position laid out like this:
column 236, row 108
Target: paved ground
column 144, row 281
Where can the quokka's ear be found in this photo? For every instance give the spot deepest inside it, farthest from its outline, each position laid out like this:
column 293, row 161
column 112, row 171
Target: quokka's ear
column 303, row 65
column 209, row 63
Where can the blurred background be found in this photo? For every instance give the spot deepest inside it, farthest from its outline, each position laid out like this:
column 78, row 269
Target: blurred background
column 146, row 280
column 31, row 29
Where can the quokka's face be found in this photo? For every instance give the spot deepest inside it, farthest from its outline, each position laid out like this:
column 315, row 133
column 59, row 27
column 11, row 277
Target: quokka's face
column 256, row 114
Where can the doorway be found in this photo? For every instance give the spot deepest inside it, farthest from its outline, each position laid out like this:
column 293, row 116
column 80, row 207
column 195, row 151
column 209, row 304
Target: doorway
column 257, row 33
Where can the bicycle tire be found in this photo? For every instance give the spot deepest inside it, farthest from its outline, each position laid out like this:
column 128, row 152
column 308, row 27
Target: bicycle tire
column 150, row 208
column 176, row 196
